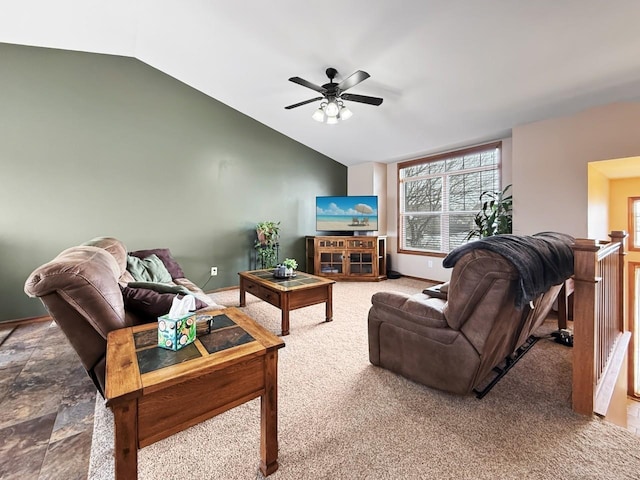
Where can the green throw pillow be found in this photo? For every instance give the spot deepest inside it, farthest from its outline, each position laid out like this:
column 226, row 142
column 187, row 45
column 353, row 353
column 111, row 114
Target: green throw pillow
column 149, row 269
column 160, row 287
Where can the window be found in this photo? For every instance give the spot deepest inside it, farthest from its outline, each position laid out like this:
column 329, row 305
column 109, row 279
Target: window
column 439, row 197
column 634, row 223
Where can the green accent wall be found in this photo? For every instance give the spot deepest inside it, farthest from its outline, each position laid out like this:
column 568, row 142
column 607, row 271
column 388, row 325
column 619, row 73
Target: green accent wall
column 99, row 145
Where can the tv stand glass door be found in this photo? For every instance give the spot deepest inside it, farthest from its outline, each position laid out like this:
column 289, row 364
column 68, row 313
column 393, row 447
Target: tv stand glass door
column 331, row 263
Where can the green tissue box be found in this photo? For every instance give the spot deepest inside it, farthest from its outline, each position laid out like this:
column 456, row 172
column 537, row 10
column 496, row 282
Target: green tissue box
column 176, row 333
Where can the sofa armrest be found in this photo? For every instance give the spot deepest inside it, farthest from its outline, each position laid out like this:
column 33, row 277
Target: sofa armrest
column 419, row 309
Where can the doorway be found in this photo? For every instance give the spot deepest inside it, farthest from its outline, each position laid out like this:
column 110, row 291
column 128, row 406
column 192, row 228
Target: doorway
column 614, row 204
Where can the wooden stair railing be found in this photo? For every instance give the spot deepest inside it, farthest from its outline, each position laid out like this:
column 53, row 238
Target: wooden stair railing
column 600, row 340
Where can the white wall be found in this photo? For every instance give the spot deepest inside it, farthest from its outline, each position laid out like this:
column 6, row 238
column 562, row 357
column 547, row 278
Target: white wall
column 598, row 204
column 550, row 165
column 360, row 179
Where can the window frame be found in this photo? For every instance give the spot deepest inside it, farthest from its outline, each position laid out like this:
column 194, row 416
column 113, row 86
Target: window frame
column 632, row 223
column 433, row 158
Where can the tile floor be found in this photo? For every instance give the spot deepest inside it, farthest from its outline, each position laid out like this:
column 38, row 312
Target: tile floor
column 48, row 402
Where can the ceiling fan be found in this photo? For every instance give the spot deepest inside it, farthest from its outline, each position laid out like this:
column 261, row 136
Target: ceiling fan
column 332, row 108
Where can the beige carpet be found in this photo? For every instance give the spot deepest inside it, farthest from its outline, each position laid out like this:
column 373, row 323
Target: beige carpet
column 342, row 418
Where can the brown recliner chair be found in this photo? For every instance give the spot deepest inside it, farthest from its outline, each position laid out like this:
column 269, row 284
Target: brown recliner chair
column 80, row 288
column 453, row 344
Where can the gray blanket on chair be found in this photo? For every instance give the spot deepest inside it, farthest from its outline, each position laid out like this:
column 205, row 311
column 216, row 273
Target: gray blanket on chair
column 542, row 260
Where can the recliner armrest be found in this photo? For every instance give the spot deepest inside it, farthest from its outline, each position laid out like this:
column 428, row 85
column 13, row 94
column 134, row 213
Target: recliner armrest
column 419, row 308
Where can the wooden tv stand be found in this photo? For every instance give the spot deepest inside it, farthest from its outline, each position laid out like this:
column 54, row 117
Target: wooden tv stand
column 361, row 258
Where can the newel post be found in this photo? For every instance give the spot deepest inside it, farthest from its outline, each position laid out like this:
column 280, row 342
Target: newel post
column 585, row 260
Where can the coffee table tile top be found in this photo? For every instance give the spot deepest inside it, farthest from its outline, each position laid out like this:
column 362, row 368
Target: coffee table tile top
column 219, row 321
column 224, row 334
column 155, row 358
column 299, row 280
column 227, row 338
column 148, row 338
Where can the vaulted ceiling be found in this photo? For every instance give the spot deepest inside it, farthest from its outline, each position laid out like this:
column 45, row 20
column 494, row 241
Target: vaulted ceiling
column 451, row 72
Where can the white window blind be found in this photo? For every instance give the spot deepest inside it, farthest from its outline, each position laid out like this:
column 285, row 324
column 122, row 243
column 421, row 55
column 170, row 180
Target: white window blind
column 440, row 195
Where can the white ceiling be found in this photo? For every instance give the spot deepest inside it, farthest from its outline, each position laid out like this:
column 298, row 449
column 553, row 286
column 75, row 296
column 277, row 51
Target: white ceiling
column 451, row 72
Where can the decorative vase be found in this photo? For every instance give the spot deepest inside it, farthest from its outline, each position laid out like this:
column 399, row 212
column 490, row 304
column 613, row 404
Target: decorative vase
column 288, row 272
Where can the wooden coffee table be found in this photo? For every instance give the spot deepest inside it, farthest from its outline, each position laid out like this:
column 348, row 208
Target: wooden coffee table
column 287, row 294
column 155, row 393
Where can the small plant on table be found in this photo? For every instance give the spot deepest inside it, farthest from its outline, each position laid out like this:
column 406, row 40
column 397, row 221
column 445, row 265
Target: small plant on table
column 290, row 263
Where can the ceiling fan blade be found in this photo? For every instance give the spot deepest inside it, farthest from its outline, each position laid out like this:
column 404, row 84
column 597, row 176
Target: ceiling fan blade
column 303, row 103
column 304, row 83
column 352, row 80
column 361, row 98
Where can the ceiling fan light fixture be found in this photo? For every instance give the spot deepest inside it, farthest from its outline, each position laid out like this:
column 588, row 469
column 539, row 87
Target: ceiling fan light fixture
column 319, row 115
column 332, row 109
column 345, row 113
column 332, row 120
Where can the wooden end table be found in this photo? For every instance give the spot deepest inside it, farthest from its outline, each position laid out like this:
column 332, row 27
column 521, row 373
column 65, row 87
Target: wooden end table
column 155, row 393
column 287, row 294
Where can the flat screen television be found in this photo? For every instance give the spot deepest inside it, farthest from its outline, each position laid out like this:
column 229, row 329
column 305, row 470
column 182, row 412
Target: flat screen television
column 353, row 213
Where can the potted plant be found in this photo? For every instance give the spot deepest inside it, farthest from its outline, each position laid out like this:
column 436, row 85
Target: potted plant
column 290, row 264
column 495, row 216
column 266, row 244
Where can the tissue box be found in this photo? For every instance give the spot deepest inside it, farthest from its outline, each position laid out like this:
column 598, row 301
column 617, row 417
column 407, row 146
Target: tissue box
column 176, row 333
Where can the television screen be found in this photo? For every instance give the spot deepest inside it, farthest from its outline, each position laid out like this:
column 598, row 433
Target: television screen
column 354, row 213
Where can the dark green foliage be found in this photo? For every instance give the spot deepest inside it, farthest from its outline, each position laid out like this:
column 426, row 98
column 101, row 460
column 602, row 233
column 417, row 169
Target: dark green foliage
column 266, row 244
column 495, row 217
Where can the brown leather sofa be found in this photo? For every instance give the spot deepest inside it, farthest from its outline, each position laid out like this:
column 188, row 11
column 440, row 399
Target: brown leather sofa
column 82, row 288
column 453, row 344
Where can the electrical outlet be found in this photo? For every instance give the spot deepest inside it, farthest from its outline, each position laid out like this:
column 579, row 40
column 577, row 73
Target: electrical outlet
column 430, row 263
column 214, row 271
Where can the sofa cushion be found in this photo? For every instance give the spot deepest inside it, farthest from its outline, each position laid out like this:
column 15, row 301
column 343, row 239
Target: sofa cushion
column 148, row 269
column 417, row 308
column 163, row 254
column 149, row 304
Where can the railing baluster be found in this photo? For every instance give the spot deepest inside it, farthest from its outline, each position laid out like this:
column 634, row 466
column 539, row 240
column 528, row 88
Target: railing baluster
column 599, row 314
